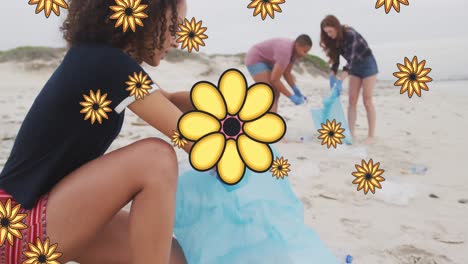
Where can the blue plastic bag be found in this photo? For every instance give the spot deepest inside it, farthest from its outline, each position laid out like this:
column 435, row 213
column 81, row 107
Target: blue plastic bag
column 332, row 109
column 260, row 221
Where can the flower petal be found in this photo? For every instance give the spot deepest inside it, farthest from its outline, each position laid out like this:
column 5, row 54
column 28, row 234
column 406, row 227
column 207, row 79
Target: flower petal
column 231, row 168
column 257, row 156
column 258, row 101
column 206, row 152
column 267, row 129
column 194, row 125
column 233, row 87
column 206, row 98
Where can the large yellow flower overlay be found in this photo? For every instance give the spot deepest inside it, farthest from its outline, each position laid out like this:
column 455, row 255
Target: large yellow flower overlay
column 191, row 34
column 138, row 85
column 280, row 168
column 95, row 106
column 390, row 3
column 231, row 126
column 10, row 222
column 48, row 6
column 331, row 133
column 412, row 77
column 266, row 7
column 128, row 13
column 368, row 176
column 42, row 253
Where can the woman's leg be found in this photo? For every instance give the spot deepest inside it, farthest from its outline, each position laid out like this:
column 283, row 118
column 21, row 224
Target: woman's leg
column 84, row 202
column 355, row 84
column 112, row 244
column 265, row 78
column 368, row 85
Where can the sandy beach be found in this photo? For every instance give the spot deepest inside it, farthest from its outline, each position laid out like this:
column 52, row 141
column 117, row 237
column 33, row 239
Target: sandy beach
column 414, row 218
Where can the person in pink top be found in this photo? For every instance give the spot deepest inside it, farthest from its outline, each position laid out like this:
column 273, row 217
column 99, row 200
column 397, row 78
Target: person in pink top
column 271, row 59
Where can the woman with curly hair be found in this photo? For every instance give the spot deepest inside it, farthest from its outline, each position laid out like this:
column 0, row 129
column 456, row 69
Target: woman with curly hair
column 336, row 40
column 58, row 170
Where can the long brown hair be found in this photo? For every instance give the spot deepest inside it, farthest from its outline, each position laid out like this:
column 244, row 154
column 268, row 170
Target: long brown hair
column 329, row 45
column 88, row 21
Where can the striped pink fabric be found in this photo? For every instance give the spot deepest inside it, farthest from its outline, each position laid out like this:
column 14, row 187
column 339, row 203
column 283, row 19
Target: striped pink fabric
column 36, row 222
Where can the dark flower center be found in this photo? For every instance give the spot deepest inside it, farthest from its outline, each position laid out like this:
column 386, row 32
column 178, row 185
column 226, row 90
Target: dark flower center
column 331, row 133
column 128, row 11
column 412, row 77
column 368, row 176
column 181, row 137
column 191, row 34
column 138, row 85
column 95, row 106
column 280, row 167
column 42, row 259
column 231, row 126
column 266, row 1
column 5, row 222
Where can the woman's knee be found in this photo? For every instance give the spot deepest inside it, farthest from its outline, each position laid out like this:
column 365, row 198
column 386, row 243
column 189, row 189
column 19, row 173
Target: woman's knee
column 353, row 100
column 367, row 100
column 160, row 161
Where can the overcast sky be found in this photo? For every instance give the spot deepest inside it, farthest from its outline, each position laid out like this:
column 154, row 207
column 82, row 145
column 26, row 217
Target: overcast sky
column 434, row 30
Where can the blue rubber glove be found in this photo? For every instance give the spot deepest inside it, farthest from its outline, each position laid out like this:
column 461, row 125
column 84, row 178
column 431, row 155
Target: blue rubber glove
column 297, row 100
column 298, row 92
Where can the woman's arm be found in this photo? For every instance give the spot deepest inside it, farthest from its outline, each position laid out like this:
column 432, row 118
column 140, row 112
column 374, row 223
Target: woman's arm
column 160, row 113
column 180, row 99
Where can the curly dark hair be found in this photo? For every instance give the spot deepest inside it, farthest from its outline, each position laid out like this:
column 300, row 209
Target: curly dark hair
column 88, row 21
column 329, row 45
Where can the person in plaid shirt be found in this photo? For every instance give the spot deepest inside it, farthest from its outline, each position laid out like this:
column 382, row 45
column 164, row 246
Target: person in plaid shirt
column 340, row 40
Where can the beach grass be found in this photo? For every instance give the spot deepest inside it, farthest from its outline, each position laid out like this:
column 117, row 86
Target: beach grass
column 28, row 53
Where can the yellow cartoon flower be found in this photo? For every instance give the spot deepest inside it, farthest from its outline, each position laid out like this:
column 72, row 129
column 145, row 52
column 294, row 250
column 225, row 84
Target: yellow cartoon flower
column 42, row 253
column 95, row 106
column 48, row 6
column 266, row 7
column 128, row 13
column 10, row 222
column 280, row 168
column 178, row 140
column 138, row 85
column 331, row 133
column 368, row 176
column 412, row 77
column 389, row 3
column 191, row 34
column 231, row 126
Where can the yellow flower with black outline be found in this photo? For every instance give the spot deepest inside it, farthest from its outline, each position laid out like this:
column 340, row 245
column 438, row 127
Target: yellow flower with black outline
column 128, row 13
column 42, row 253
column 280, row 168
column 95, row 106
column 48, row 6
column 266, row 7
column 191, row 34
column 138, row 85
column 10, row 222
column 331, row 133
column 390, row 3
column 412, row 77
column 178, row 140
column 368, row 176
column 231, row 126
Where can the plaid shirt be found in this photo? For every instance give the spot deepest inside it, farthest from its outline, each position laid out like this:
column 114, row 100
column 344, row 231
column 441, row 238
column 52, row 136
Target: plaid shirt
column 354, row 49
